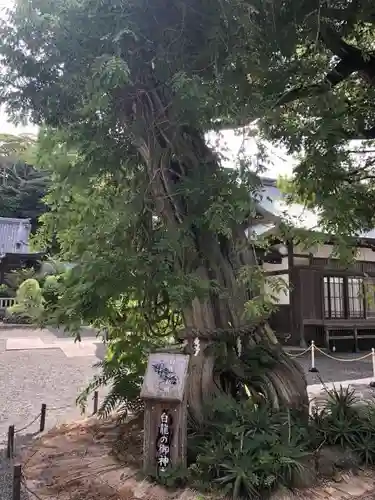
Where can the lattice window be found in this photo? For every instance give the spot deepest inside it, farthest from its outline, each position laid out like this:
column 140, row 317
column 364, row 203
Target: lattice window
column 334, row 297
column 370, row 297
column 356, row 298
column 327, row 307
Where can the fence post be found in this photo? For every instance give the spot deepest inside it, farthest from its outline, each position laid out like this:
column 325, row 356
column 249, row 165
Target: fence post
column 372, row 383
column 10, row 445
column 17, row 475
column 313, row 369
column 96, row 402
column 43, row 417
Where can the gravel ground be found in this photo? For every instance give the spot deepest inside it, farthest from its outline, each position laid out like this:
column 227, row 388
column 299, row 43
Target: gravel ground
column 30, row 378
column 6, row 480
column 334, row 370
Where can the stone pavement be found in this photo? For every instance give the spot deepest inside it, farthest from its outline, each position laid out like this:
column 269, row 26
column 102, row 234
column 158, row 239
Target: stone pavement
column 71, row 349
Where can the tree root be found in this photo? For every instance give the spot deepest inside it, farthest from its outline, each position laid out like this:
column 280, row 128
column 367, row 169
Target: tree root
column 263, row 371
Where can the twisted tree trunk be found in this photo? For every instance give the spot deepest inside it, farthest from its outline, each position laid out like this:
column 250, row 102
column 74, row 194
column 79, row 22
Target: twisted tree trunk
column 174, row 154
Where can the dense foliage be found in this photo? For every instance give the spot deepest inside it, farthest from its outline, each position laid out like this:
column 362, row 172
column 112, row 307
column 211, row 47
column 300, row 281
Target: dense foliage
column 22, row 186
column 130, row 96
column 297, row 68
column 249, row 450
column 304, row 69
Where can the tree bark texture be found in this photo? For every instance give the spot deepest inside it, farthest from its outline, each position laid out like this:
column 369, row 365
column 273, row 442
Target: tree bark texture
column 171, row 153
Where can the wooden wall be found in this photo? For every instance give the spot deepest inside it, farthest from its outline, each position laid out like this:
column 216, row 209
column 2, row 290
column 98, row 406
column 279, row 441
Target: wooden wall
column 332, row 265
column 307, row 297
column 310, row 291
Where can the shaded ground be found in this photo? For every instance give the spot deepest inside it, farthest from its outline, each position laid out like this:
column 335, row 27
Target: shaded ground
column 76, row 462
column 336, row 370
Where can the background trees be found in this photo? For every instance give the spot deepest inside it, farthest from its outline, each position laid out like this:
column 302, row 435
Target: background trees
column 22, row 186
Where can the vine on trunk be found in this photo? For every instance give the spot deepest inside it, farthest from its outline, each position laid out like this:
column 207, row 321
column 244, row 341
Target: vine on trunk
column 174, row 156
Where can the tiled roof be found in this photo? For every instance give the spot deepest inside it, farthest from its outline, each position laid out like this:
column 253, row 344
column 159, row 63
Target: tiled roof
column 14, row 235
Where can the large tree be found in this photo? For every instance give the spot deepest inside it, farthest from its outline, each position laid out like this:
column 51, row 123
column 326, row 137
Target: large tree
column 135, row 86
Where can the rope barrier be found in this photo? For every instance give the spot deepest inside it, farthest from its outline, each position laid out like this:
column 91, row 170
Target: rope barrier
column 300, row 353
column 313, row 368
column 350, row 360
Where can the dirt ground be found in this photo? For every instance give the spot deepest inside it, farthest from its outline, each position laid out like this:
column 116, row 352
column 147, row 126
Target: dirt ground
column 92, row 460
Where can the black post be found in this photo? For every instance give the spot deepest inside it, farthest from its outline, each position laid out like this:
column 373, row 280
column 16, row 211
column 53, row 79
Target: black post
column 10, row 445
column 17, row 475
column 96, row 401
column 43, row 417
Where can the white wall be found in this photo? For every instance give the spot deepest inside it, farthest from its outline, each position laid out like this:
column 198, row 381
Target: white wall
column 281, row 296
column 325, row 252
column 366, row 254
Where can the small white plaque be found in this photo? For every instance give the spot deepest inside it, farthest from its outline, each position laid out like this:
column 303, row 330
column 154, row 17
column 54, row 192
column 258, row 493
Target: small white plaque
column 165, row 377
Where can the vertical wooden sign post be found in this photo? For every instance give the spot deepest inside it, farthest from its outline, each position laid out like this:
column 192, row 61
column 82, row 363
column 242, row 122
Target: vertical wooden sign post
column 165, row 426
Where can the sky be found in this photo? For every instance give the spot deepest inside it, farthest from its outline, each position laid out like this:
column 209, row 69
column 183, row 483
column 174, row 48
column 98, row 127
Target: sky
column 6, row 127
column 230, row 144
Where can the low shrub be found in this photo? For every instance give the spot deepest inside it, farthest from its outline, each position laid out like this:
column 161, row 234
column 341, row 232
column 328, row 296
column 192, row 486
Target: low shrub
column 346, row 422
column 17, row 319
column 29, row 302
column 50, row 290
column 15, row 278
column 6, row 292
column 247, row 450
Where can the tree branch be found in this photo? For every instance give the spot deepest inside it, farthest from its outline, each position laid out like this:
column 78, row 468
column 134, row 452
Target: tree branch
column 337, row 75
column 352, row 60
column 361, row 135
column 358, row 10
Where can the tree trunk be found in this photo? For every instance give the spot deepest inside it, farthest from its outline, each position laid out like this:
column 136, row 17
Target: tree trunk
column 172, row 154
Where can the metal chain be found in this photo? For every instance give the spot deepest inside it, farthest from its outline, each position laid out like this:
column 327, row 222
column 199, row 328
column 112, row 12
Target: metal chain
column 342, row 359
column 49, row 408
column 28, row 425
column 58, row 408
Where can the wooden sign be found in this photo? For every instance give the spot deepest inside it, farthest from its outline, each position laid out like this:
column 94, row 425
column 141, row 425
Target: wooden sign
column 165, row 424
column 165, row 377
